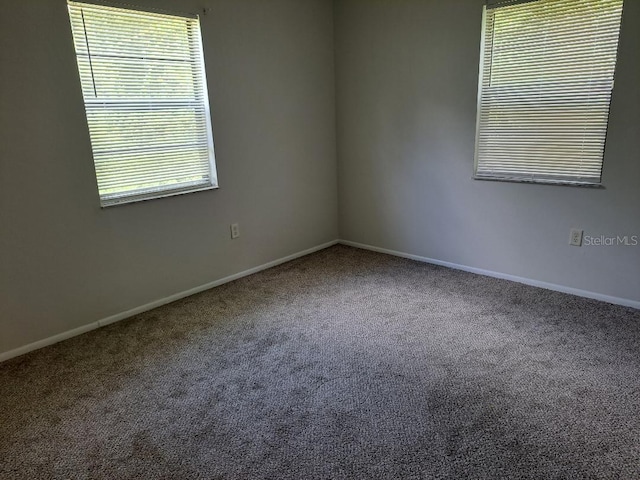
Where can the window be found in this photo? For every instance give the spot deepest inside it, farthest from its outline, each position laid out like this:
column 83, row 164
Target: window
column 546, row 78
column 145, row 96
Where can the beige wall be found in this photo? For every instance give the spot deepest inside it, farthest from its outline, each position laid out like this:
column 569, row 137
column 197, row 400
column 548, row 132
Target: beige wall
column 65, row 262
column 407, row 73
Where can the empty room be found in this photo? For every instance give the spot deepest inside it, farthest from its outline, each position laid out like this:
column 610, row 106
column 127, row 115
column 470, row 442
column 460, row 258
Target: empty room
column 319, row 239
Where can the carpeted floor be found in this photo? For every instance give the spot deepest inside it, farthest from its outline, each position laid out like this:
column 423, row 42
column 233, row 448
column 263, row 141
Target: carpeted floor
column 342, row 364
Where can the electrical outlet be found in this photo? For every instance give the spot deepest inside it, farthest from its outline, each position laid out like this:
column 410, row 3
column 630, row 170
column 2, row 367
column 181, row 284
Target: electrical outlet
column 575, row 237
column 235, row 230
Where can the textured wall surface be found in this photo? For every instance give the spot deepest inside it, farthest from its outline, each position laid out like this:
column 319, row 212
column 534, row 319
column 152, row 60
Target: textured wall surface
column 407, row 76
column 65, row 262
column 405, row 82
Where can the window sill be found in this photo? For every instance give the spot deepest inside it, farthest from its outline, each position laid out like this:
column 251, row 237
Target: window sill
column 142, row 198
column 566, row 183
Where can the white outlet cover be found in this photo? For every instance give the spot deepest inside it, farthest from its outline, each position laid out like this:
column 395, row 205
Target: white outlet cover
column 575, row 237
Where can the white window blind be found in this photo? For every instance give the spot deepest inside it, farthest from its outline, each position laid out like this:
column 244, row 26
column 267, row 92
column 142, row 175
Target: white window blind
column 146, row 101
column 546, row 78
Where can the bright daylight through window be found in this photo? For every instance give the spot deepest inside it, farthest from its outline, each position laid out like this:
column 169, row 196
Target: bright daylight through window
column 145, row 96
column 546, row 78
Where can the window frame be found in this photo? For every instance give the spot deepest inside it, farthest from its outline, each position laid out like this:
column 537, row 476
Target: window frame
column 196, row 59
column 531, row 178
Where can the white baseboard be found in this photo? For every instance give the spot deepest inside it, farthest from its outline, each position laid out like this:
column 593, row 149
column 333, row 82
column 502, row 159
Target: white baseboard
column 172, row 298
column 157, row 303
column 527, row 281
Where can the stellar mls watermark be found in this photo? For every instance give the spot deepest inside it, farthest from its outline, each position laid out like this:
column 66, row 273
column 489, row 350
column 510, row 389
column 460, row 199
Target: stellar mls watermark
column 611, row 241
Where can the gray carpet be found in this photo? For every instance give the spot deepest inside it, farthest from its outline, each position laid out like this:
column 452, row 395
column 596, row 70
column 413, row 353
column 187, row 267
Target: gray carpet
column 341, row 364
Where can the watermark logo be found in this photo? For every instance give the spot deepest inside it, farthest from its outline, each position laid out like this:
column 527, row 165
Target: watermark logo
column 611, row 241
